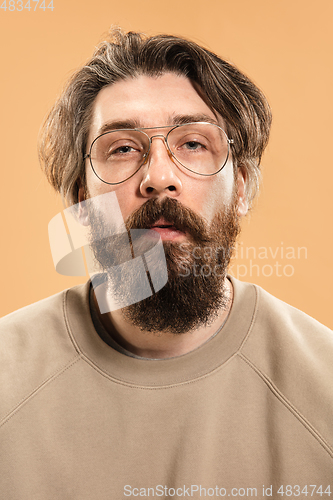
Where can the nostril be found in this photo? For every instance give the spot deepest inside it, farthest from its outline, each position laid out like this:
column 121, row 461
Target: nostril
column 150, row 189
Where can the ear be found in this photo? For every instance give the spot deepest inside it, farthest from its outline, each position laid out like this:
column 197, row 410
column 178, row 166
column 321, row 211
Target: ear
column 82, row 213
column 243, row 205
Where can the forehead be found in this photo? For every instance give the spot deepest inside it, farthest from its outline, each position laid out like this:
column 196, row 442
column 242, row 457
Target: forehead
column 147, row 101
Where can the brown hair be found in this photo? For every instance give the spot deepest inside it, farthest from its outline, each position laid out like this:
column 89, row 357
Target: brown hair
column 126, row 55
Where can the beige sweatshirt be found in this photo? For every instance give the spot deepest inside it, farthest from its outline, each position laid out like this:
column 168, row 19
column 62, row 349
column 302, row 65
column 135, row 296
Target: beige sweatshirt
column 243, row 415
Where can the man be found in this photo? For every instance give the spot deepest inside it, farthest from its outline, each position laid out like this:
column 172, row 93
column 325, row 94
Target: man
column 205, row 387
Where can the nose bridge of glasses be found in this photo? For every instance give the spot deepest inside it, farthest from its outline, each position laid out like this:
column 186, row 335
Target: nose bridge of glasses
column 157, row 136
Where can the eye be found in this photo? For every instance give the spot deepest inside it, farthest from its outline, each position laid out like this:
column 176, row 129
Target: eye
column 193, row 145
column 123, row 150
column 120, row 151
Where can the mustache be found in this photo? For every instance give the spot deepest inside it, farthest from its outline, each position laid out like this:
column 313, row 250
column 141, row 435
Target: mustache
column 182, row 218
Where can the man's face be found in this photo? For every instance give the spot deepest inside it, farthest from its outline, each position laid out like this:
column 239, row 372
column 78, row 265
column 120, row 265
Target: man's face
column 210, row 206
column 153, row 102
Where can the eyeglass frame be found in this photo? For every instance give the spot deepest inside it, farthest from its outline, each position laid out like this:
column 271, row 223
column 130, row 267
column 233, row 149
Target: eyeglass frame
column 165, row 137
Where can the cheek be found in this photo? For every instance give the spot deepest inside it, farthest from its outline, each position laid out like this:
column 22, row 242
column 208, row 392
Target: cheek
column 95, row 186
column 128, row 196
column 127, row 193
column 211, row 197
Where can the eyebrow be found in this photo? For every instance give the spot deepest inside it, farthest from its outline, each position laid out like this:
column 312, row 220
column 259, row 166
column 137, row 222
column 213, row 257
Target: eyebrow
column 198, row 117
column 174, row 120
column 117, row 125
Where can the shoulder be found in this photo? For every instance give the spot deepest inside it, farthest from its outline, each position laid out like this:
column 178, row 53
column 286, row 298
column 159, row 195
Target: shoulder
column 292, row 353
column 35, row 344
column 281, row 331
column 43, row 313
column 284, row 336
column 287, row 316
column 271, row 312
column 27, row 316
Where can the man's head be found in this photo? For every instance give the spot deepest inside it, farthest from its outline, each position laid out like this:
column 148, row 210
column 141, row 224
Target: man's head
column 158, row 86
column 227, row 91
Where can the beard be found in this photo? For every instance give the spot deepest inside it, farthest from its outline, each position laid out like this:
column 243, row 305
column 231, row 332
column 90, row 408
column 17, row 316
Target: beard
column 195, row 291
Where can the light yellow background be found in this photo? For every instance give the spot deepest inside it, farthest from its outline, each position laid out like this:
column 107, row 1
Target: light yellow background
column 285, row 46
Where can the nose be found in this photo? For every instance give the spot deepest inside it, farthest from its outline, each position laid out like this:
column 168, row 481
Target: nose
column 160, row 174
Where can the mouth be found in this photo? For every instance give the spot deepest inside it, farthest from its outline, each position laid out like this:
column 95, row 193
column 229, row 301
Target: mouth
column 167, row 230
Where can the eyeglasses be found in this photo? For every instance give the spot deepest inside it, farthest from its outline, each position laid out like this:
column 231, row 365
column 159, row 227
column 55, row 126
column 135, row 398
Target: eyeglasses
column 200, row 147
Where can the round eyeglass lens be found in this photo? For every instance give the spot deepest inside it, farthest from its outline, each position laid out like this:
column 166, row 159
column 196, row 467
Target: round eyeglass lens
column 117, row 155
column 202, row 148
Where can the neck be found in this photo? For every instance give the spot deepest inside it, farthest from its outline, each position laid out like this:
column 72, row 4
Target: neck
column 161, row 345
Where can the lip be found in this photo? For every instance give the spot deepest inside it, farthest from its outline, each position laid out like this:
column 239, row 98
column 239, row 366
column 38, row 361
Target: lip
column 166, row 230
column 161, row 222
